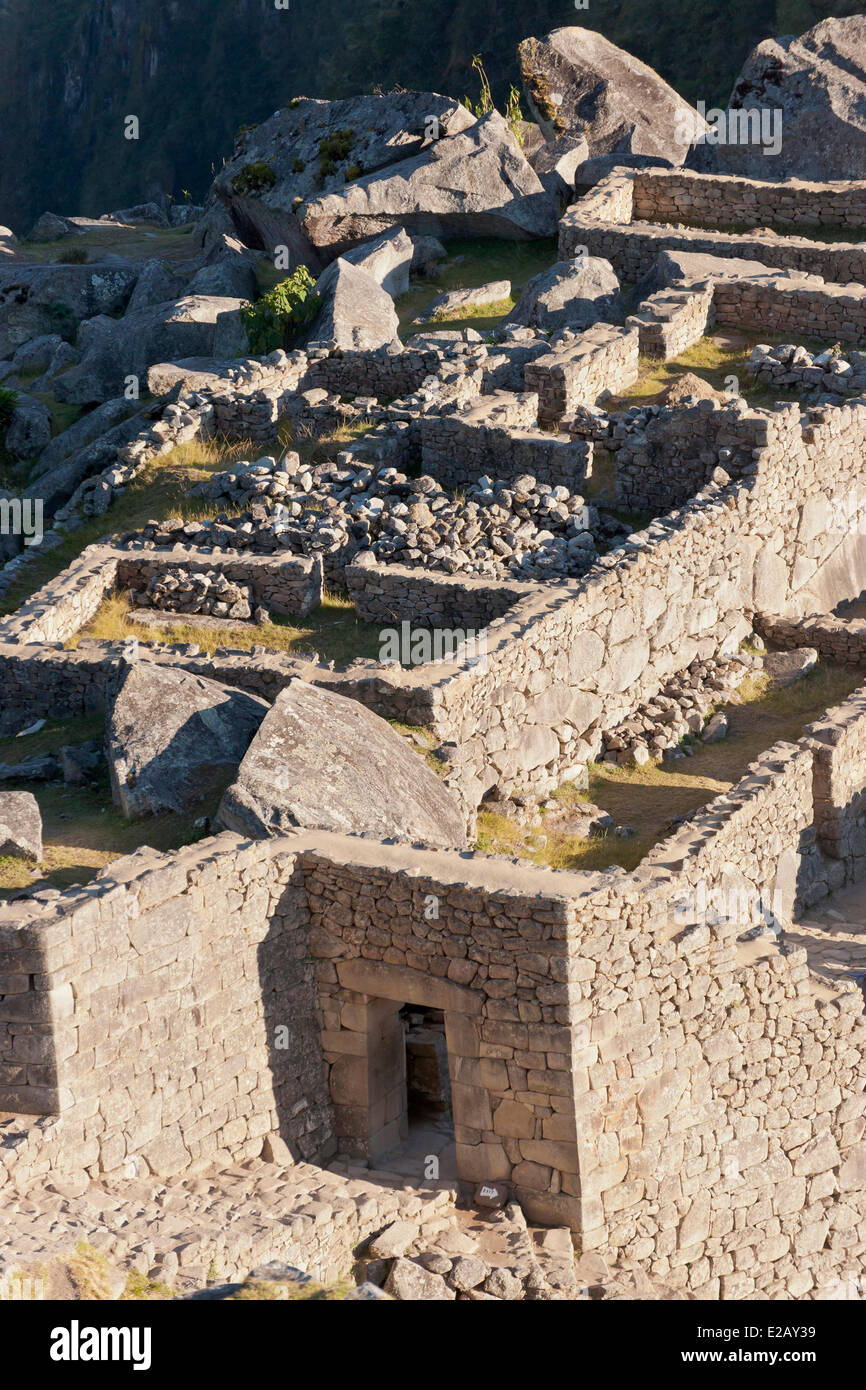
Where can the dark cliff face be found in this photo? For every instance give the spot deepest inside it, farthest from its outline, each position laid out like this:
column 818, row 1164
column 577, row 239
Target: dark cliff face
column 193, row 71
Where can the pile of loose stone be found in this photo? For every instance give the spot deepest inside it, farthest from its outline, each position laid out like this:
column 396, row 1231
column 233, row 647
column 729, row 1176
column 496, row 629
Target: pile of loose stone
column 657, row 727
column 791, row 365
column 182, row 591
column 519, row 528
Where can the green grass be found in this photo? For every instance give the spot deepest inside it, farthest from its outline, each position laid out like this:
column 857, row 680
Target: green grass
column 716, row 356
column 480, row 316
column 484, row 259
column 169, row 243
column 650, row 797
column 334, row 631
column 82, row 830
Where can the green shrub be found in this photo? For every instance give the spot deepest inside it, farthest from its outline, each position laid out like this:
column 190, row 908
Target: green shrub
column 333, row 150
column 73, row 255
column 514, row 115
column 354, row 171
column 277, row 317
column 8, row 402
column 254, row 178
column 299, row 166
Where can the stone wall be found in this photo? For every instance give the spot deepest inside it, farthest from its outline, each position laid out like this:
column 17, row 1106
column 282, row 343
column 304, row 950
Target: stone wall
column 675, row 454
column 679, row 1096
column 602, row 359
column 390, row 594
column 807, row 308
column 681, row 195
column 841, row 639
column 602, row 222
column 289, row 584
column 670, row 321
column 147, row 1008
column 496, row 437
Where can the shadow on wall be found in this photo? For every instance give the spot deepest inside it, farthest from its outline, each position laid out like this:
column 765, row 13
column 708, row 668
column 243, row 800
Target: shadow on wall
column 303, row 1130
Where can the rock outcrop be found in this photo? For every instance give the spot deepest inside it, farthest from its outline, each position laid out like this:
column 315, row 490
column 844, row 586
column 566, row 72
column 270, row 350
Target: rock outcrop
column 387, row 258
column 174, row 740
column 577, row 82
column 323, row 761
column 312, row 147
column 571, row 294
column 815, row 86
column 41, row 299
column 195, row 326
column 476, row 183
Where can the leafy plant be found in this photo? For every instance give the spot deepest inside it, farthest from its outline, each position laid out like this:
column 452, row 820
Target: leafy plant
column 485, row 101
column 514, row 115
column 254, row 178
column 278, row 316
column 354, row 171
column 299, row 166
column 333, row 149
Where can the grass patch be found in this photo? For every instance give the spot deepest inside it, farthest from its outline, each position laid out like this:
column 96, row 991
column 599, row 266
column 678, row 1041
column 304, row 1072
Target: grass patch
column 169, row 243
column 651, row 797
column 82, row 830
column 471, row 262
column 715, row 357
column 334, row 631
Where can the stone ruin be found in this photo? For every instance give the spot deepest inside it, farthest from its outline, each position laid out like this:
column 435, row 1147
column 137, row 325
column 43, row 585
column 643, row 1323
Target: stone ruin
column 683, row 1094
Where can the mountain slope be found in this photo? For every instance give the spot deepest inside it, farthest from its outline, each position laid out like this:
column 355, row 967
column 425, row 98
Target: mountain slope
column 192, row 71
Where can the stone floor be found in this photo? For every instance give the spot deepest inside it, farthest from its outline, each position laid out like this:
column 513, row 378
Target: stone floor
column 834, row 937
column 429, row 1138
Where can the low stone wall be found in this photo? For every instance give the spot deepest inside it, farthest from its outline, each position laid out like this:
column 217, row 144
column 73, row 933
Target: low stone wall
column 840, row 639
column 602, row 359
column 681, row 195
column 289, row 584
column 65, row 605
column 495, row 437
column 804, row 309
column 675, row 454
column 670, row 321
column 839, row 785
column 390, row 594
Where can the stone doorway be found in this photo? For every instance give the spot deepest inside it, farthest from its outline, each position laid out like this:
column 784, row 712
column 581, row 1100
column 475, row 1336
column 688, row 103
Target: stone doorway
column 395, row 1068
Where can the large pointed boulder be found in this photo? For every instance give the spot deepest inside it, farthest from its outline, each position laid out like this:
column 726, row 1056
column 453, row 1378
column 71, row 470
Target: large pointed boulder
column 175, row 739
column 357, row 314
column 798, row 109
column 322, row 761
column 571, row 294
column 577, row 82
